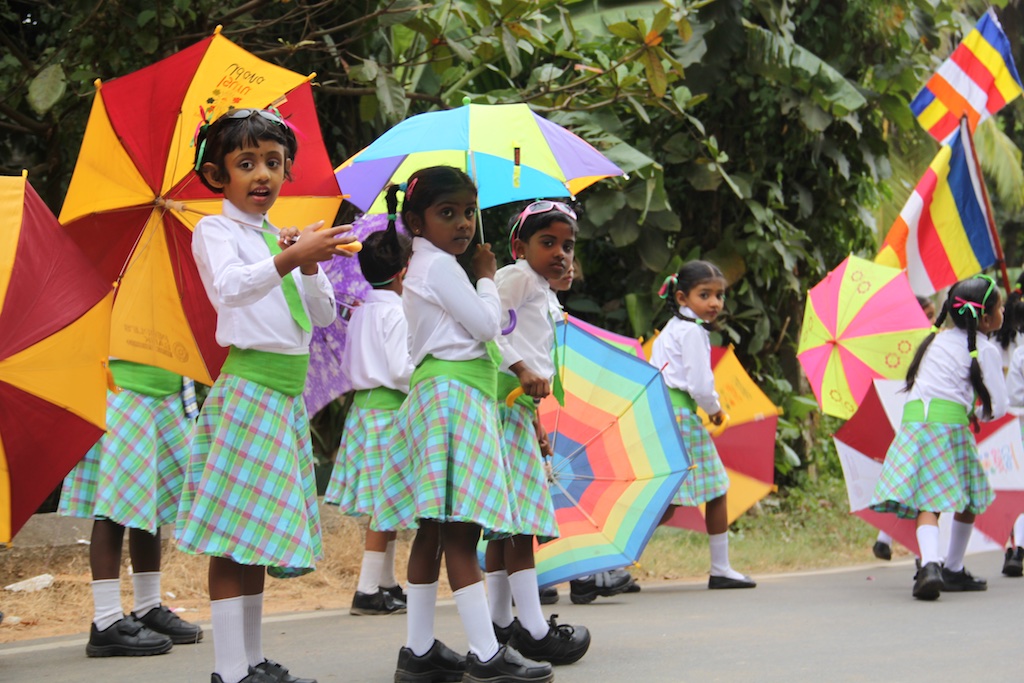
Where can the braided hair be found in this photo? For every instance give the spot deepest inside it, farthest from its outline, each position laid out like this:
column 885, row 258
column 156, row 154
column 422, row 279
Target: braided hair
column 385, row 253
column 1013, row 316
column 967, row 301
column 691, row 274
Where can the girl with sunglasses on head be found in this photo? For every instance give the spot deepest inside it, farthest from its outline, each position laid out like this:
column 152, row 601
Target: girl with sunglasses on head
column 249, row 498
column 542, row 239
column 683, row 349
column 445, row 474
column 932, row 466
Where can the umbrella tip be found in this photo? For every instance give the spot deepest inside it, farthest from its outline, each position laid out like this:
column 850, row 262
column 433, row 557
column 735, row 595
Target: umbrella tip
column 466, row 100
column 24, row 173
column 98, row 83
column 216, row 31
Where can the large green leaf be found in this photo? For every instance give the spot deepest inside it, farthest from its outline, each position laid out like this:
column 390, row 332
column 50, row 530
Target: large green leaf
column 1001, row 161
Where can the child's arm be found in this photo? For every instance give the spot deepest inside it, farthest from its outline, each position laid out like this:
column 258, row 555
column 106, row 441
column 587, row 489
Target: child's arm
column 1015, row 378
column 395, row 336
column 477, row 310
column 695, row 356
column 513, row 286
column 234, row 282
column 991, row 363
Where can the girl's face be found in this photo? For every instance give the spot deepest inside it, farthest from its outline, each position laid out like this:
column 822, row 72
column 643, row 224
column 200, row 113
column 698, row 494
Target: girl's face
column 449, row 223
column 705, row 299
column 563, row 283
column 929, row 312
column 549, row 251
column 255, row 176
column 990, row 322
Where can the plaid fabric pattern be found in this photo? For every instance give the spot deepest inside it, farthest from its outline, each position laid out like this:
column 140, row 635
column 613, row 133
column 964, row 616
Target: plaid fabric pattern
column 445, row 461
column 534, row 509
column 134, row 473
column 364, row 448
column 708, row 480
column 250, row 492
column 934, row 468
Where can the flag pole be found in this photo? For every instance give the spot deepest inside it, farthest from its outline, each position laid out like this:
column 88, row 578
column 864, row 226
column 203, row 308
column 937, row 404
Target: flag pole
column 989, row 214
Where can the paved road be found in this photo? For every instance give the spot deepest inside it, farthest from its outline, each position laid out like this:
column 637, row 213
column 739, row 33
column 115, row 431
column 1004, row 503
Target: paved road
column 858, row 624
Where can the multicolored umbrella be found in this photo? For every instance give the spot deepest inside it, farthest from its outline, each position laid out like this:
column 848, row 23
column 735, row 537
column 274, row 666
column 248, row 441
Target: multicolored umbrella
column 55, row 317
column 861, row 322
column 746, row 442
column 864, row 440
column 628, row 344
column 618, row 458
column 134, row 198
column 511, row 153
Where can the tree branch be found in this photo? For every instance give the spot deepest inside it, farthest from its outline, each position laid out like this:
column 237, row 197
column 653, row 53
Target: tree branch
column 19, row 118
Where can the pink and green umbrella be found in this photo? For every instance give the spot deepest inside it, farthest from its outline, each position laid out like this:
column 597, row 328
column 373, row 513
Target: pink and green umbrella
column 627, row 344
column 862, row 322
column 510, row 152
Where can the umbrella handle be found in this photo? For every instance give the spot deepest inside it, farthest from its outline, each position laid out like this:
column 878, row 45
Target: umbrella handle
column 716, row 430
column 351, row 247
column 513, row 395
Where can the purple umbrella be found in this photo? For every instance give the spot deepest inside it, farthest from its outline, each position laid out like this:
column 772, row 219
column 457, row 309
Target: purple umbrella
column 326, row 381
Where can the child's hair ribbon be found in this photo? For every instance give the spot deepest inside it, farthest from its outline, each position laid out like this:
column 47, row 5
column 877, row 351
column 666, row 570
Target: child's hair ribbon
column 961, row 305
column 670, row 281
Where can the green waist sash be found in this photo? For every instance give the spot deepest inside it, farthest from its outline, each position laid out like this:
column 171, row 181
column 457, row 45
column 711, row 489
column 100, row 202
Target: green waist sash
column 682, row 399
column 145, row 379
column 479, row 373
column 940, row 411
column 378, row 398
column 507, row 384
column 280, row 372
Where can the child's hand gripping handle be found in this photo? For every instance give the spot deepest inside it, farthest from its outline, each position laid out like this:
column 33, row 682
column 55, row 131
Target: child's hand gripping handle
column 717, row 423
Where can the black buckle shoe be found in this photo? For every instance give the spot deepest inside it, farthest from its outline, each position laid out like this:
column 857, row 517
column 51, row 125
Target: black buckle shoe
column 377, row 603
column 962, row 581
column 928, row 582
column 275, row 672
column 882, row 551
column 507, row 666
column 563, row 644
column 504, row 633
column 1014, row 563
column 397, row 593
column 439, row 663
column 548, row 596
column 722, row 582
column 126, row 637
column 605, row 585
column 162, row 620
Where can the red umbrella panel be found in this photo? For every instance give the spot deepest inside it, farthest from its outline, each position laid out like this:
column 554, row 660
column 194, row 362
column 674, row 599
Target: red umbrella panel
column 864, row 440
column 135, row 198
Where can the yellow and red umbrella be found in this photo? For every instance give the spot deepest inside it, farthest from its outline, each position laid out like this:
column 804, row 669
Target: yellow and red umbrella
column 135, row 198
column 55, row 317
column 745, row 442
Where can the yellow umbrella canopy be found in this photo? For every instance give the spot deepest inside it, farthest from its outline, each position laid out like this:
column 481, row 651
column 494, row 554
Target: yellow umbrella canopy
column 55, row 316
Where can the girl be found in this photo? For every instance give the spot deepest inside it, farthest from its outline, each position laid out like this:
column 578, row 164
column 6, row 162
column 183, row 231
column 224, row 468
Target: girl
column 542, row 238
column 446, row 473
column 932, row 466
column 683, row 349
column 1009, row 339
column 249, row 499
column 132, row 479
column 376, row 361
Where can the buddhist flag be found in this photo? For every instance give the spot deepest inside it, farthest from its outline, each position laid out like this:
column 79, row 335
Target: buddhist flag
column 942, row 234
column 976, row 81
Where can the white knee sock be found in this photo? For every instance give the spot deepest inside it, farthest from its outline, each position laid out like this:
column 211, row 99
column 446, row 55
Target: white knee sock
column 719, row 545
column 476, row 620
column 959, row 537
column 884, row 538
column 928, row 542
column 229, row 639
column 369, row 574
column 106, row 603
column 146, row 586
column 499, row 597
column 387, row 571
column 1018, row 532
column 527, row 595
column 252, row 613
column 420, row 621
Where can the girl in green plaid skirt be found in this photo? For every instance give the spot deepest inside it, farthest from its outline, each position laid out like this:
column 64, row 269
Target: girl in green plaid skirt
column 932, row 466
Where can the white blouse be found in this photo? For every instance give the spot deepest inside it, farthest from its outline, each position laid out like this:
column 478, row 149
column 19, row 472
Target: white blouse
column 525, row 291
column 945, row 371
column 447, row 317
column 684, row 350
column 240, row 277
column 377, row 344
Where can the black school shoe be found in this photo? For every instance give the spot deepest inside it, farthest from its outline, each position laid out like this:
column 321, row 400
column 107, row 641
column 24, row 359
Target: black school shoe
column 723, row 582
column 439, row 663
column 882, row 551
column 962, row 581
column 162, row 620
column 274, row 672
column 126, row 637
column 258, row 677
column 397, row 593
column 563, row 644
column 377, row 603
column 605, row 584
column 504, row 633
column 1013, row 565
column 507, row 666
column 548, row 596
column 928, row 582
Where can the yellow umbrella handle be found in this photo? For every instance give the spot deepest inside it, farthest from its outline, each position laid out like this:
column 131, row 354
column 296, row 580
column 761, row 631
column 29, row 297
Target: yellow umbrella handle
column 513, row 395
column 716, row 430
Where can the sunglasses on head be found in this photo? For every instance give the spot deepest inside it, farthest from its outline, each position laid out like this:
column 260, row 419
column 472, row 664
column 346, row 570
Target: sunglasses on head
column 534, row 209
column 263, row 113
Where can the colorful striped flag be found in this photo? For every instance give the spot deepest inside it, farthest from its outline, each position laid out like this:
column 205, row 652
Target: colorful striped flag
column 976, row 81
column 942, row 234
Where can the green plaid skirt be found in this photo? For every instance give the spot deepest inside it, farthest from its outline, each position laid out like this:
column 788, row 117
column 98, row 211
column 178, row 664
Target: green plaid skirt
column 932, row 467
column 534, row 509
column 708, row 479
column 355, row 478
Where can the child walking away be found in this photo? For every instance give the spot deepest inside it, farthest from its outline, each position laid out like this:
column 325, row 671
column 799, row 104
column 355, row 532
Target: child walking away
column 683, row 350
column 249, row 499
column 445, row 474
column 132, row 479
column 542, row 238
column 376, row 361
column 932, row 466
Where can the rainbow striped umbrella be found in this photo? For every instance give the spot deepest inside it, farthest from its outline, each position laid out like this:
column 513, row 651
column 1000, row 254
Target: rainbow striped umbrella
column 511, row 153
column 618, row 458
